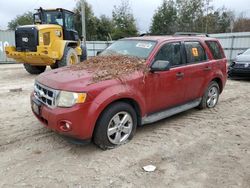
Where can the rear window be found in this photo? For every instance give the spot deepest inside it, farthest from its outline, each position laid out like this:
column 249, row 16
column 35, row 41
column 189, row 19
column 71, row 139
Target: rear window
column 195, row 52
column 215, row 49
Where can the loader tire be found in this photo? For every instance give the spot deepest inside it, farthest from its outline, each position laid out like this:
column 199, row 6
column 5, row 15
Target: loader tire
column 34, row 69
column 70, row 57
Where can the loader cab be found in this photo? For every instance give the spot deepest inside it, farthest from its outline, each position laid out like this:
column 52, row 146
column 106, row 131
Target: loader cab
column 60, row 17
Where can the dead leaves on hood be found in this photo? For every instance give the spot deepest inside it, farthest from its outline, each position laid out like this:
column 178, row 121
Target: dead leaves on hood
column 111, row 67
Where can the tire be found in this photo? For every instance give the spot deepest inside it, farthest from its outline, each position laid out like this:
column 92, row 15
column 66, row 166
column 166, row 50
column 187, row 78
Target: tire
column 69, row 54
column 107, row 131
column 34, row 69
column 84, row 56
column 211, row 96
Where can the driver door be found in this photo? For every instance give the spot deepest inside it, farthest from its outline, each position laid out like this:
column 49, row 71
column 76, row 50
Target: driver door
column 166, row 89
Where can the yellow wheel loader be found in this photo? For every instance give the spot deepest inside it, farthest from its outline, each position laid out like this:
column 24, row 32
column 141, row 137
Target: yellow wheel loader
column 51, row 41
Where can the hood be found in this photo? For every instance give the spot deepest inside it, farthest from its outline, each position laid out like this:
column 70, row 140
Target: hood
column 243, row 58
column 70, row 79
column 66, row 78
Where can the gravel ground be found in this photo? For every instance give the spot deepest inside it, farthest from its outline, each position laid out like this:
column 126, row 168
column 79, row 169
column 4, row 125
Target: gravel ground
column 208, row 148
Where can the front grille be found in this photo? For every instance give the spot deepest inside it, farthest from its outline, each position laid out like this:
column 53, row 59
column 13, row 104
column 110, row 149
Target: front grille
column 242, row 65
column 45, row 95
column 26, row 39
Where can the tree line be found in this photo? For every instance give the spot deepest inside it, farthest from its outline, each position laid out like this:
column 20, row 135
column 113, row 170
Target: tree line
column 170, row 17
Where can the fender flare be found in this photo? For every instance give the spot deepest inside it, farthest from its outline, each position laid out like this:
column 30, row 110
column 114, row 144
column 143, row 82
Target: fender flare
column 104, row 99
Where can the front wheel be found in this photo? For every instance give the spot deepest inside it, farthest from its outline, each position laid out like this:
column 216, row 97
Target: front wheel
column 116, row 126
column 34, row 69
column 70, row 57
column 211, row 96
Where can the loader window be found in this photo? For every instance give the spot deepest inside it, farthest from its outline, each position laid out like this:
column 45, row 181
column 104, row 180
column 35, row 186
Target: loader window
column 37, row 18
column 69, row 21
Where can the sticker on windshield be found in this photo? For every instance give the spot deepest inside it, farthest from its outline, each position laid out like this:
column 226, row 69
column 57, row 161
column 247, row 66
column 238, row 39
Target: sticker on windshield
column 195, row 52
column 143, row 45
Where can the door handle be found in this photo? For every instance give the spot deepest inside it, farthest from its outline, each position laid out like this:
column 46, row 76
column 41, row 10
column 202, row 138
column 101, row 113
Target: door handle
column 207, row 69
column 180, row 75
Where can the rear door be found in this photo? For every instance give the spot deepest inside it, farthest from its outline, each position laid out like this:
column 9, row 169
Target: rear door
column 166, row 89
column 198, row 70
column 218, row 56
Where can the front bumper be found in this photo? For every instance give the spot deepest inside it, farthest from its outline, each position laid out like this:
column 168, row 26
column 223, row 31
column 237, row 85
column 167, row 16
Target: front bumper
column 43, row 56
column 239, row 72
column 81, row 121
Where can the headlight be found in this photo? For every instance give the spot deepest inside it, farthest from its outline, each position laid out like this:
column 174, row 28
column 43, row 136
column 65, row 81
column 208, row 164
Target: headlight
column 68, row 99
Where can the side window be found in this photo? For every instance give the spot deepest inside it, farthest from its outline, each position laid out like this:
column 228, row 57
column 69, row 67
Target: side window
column 195, row 52
column 69, row 21
column 215, row 49
column 170, row 52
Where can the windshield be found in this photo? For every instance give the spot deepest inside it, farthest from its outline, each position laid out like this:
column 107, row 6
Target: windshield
column 247, row 52
column 136, row 48
column 53, row 17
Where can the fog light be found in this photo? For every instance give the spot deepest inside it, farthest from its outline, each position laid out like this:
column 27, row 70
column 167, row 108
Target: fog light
column 65, row 126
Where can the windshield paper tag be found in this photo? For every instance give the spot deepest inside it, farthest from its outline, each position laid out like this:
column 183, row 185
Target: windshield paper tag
column 144, row 45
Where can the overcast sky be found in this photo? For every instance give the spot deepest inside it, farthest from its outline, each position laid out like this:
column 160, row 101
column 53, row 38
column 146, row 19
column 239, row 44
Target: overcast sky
column 143, row 10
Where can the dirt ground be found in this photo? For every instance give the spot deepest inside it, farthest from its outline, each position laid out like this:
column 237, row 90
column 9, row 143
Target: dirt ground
column 209, row 148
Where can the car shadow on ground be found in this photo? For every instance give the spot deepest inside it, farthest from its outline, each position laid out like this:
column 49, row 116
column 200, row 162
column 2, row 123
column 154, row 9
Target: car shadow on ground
column 83, row 147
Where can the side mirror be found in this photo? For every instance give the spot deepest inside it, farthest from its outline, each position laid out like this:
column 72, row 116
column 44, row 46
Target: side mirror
column 37, row 18
column 98, row 52
column 160, row 65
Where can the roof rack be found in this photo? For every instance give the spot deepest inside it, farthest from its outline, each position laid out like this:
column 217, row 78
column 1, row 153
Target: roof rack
column 191, row 34
column 144, row 34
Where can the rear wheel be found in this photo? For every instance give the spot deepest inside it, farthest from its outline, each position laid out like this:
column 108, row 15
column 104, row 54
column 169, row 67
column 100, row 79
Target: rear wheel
column 34, row 69
column 116, row 126
column 70, row 57
column 211, row 96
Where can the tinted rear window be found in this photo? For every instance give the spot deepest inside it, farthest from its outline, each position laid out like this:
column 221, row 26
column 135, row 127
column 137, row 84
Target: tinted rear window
column 195, row 52
column 215, row 49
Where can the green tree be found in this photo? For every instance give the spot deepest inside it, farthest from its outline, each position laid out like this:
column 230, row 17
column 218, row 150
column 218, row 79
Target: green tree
column 91, row 21
column 104, row 28
column 224, row 21
column 190, row 13
column 219, row 21
column 124, row 21
column 24, row 19
column 164, row 19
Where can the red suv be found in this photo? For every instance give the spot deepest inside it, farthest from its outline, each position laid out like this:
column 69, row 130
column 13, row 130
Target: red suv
column 184, row 72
